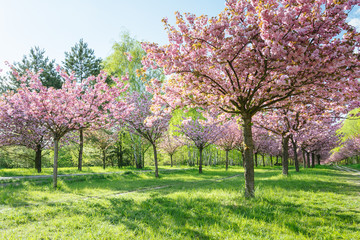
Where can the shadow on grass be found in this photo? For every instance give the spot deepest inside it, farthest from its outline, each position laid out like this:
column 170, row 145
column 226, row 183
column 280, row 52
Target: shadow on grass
column 188, row 217
column 194, row 214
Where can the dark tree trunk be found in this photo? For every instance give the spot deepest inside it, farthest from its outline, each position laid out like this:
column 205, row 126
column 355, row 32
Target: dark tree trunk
column 38, row 158
column 277, row 160
column 318, row 159
column 156, row 161
column 56, row 156
column 312, row 160
column 296, row 160
column 81, row 149
column 256, row 162
column 285, row 153
column 304, row 158
column 249, row 173
column 171, row 159
column 227, row 160
column 200, row 161
column 104, row 159
column 242, row 159
column 308, row 159
column 263, row 160
column 143, row 160
column 120, row 158
column 271, row 160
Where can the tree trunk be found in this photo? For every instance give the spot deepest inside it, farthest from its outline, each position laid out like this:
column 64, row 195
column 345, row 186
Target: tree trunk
column 242, row 158
column 296, row 160
column 156, row 161
column 285, row 154
column 56, row 156
column 120, row 159
column 249, row 173
column 189, row 156
column 256, row 162
column 263, row 160
column 304, row 158
column 318, row 159
column 104, row 158
column 312, row 160
column 271, row 160
column 38, row 158
column 171, row 160
column 277, row 160
column 308, row 159
column 227, row 159
column 81, row 149
column 200, row 162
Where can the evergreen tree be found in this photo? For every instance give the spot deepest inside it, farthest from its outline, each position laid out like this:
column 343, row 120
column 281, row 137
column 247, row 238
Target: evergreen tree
column 82, row 62
column 35, row 61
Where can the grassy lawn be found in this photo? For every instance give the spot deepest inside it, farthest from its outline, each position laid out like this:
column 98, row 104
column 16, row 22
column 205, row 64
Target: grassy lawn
column 320, row 203
column 11, row 172
column 355, row 166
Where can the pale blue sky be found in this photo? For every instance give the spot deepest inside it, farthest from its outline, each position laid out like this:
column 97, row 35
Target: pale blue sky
column 57, row 25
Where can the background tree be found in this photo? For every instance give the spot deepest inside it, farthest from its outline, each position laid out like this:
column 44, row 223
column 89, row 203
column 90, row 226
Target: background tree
column 202, row 132
column 125, row 59
column 82, row 63
column 228, row 139
column 34, row 62
column 16, row 129
column 69, row 108
column 103, row 139
column 143, row 122
column 170, row 144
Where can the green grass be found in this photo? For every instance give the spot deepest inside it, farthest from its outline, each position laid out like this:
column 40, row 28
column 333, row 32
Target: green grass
column 11, row 172
column 355, row 166
column 320, row 203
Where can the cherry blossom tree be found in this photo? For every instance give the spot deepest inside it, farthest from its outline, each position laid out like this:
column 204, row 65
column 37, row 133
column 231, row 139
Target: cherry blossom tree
column 262, row 140
column 255, row 54
column 318, row 139
column 228, row 139
column 15, row 129
column 201, row 132
column 91, row 103
column 349, row 148
column 102, row 139
column 170, row 145
column 144, row 122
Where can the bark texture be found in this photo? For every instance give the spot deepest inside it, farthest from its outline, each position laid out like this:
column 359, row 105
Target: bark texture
column 81, row 149
column 248, row 158
column 285, row 154
column 38, row 158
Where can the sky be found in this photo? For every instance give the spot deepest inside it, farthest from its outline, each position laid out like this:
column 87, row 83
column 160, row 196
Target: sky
column 56, row 25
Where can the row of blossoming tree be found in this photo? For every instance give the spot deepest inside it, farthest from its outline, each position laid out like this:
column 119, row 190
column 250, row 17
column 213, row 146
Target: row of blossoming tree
column 284, row 71
column 256, row 56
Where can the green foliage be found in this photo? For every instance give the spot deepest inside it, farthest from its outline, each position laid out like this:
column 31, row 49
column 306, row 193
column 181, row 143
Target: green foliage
column 350, row 126
column 82, row 61
column 35, row 62
column 178, row 115
column 354, row 166
column 117, row 63
column 316, row 203
column 19, row 157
